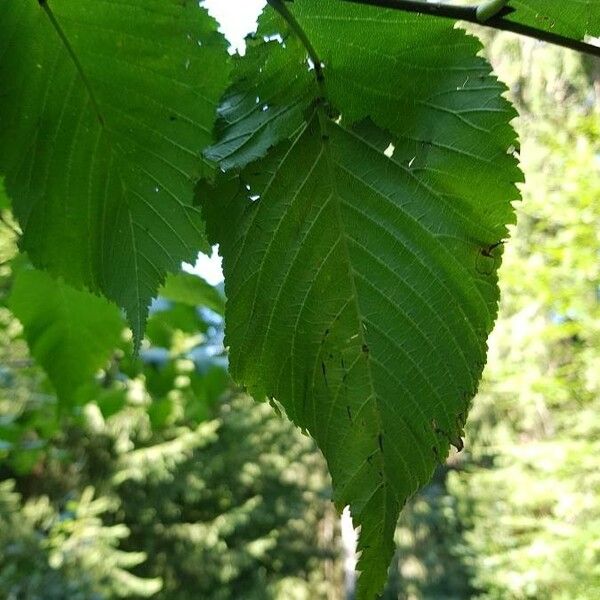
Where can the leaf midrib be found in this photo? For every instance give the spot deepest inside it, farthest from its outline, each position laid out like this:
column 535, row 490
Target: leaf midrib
column 73, row 56
column 324, row 124
column 113, row 147
column 117, row 153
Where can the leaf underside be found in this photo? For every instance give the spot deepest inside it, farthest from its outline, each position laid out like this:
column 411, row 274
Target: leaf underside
column 361, row 251
column 101, row 147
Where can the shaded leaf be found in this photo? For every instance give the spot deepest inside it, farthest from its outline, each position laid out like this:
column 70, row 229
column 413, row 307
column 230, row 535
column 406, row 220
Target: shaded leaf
column 361, row 263
column 105, row 112
column 257, row 113
column 4, row 201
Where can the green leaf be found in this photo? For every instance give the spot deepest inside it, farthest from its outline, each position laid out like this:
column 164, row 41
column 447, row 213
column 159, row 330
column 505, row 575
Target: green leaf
column 192, row 290
column 70, row 333
column 106, row 107
column 256, row 113
column 361, row 262
column 110, row 402
column 4, row 202
column 573, row 19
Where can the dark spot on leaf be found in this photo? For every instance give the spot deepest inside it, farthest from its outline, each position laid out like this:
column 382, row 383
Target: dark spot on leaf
column 324, row 369
column 487, row 259
column 305, row 393
column 458, row 443
column 487, row 250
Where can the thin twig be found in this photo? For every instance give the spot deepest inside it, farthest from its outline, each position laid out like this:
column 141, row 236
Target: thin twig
column 469, row 14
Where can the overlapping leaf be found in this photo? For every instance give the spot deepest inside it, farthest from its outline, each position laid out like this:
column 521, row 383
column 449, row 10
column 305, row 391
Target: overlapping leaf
column 361, row 254
column 265, row 104
column 105, row 108
column 192, row 290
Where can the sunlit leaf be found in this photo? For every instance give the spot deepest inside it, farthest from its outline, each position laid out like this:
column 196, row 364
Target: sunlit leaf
column 192, row 290
column 70, row 333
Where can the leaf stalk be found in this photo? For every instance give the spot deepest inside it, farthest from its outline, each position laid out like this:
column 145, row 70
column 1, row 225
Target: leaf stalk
column 284, row 11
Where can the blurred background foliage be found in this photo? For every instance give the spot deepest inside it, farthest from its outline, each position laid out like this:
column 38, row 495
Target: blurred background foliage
column 160, row 479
